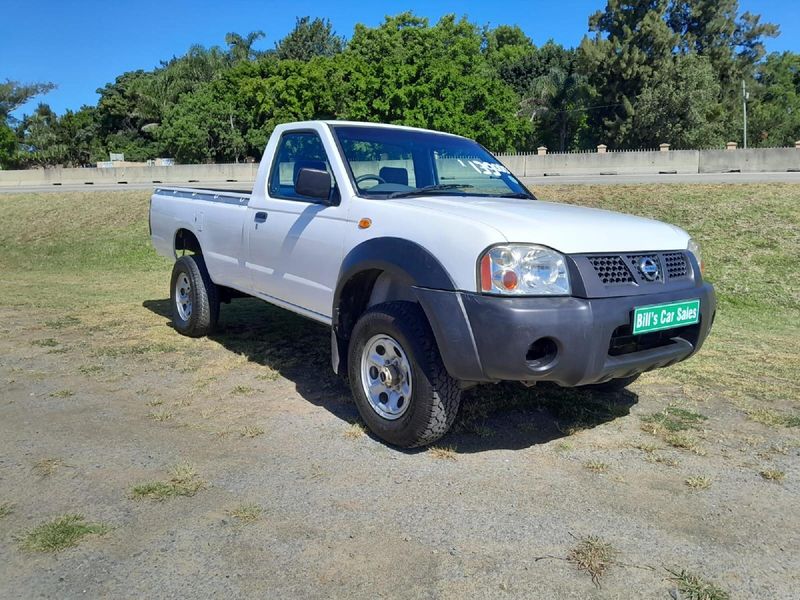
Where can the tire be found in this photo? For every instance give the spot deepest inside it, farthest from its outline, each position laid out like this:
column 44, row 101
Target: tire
column 613, row 385
column 199, row 315
column 434, row 396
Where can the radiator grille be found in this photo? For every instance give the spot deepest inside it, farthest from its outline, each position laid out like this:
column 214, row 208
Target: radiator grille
column 611, row 269
column 676, row 265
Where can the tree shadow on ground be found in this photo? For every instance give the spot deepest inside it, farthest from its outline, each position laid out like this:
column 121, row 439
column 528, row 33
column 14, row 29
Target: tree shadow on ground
column 502, row 416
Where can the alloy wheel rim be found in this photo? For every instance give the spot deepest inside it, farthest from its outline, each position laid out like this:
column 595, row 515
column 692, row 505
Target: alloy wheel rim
column 386, row 376
column 183, row 296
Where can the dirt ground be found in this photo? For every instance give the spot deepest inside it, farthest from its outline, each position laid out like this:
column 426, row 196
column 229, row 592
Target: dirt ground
column 270, row 487
column 262, row 420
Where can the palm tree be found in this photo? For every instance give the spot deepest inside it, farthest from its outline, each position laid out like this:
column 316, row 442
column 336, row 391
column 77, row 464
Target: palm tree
column 241, row 48
column 556, row 99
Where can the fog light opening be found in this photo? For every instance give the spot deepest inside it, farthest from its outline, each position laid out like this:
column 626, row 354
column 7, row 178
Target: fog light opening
column 541, row 353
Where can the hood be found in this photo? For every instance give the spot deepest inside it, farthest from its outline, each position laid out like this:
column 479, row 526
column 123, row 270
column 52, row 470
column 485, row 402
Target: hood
column 563, row 227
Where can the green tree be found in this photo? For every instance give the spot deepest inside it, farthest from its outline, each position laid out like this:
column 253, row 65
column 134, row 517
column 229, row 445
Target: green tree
column 679, row 105
column 8, row 147
column 632, row 42
column 308, row 39
column 407, row 71
column 775, row 105
column 241, row 48
column 14, row 94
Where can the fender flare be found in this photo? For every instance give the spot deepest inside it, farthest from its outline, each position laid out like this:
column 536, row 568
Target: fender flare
column 401, row 258
column 396, row 256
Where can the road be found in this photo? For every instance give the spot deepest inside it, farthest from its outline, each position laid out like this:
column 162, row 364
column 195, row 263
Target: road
column 534, row 182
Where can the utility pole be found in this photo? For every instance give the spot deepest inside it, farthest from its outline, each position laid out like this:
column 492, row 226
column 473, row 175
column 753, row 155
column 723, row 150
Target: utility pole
column 745, row 98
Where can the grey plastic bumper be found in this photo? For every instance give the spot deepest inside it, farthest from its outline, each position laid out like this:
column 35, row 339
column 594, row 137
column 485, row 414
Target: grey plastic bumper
column 487, row 338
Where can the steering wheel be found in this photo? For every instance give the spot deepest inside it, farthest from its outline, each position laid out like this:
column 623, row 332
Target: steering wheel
column 368, row 176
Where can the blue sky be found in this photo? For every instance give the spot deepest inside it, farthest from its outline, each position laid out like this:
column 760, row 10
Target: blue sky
column 83, row 45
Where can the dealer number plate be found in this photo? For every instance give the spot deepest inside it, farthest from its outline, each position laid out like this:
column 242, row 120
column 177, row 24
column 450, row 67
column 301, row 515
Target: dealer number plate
column 665, row 316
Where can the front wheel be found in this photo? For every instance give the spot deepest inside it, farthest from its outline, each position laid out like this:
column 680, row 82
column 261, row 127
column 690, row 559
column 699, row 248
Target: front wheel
column 398, row 380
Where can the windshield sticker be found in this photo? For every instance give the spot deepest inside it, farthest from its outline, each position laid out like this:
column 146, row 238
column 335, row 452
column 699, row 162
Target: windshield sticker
column 488, row 168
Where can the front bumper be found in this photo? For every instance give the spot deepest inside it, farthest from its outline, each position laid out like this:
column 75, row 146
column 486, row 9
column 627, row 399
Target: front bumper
column 489, row 338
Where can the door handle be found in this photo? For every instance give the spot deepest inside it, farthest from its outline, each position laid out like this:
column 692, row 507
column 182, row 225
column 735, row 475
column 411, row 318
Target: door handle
column 261, row 217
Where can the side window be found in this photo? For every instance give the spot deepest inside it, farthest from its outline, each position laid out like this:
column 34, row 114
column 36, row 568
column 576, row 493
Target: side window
column 298, row 150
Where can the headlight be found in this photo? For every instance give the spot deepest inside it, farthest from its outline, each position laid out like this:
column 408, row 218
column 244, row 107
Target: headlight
column 694, row 248
column 524, row 271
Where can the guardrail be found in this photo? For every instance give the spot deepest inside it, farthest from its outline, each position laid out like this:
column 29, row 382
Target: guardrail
column 752, row 160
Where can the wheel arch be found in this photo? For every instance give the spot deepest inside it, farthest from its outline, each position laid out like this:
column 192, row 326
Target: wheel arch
column 187, row 241
column 375, row 271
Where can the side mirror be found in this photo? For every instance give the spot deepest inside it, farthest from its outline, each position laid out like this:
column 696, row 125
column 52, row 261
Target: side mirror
column 314, row 183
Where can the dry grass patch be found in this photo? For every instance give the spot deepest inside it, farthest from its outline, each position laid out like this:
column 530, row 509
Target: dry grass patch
column 442, row 453
column 183, row 481
column 596, row 466
column 684, row 442
column 160, row 415
column 47, row 466
column 593, row 555
column 660, row 459
column 698, row 482
column 6, row 509
column 242, row 390
column 45, row 343
column 59, row 534
column 246, row 513
column 251, row 431
column 773, row 418
column 773, row 475
column 355, row 431
column 694, row 587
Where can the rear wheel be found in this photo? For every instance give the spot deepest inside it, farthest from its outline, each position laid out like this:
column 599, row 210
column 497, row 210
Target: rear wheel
column 194, row 297
column 401, row 388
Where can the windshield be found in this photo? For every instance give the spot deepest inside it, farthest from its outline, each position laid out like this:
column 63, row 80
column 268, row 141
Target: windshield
column 391, row 163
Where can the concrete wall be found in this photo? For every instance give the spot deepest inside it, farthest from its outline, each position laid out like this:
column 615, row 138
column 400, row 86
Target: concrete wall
column 618, row 163
column 177, row 174
column 752, row 160
column 590, row 163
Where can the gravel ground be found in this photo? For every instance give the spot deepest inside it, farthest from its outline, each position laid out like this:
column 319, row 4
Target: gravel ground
column 98, row 402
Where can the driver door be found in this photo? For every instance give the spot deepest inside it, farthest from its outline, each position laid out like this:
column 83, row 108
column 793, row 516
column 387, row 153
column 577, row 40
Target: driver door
column 295, row 243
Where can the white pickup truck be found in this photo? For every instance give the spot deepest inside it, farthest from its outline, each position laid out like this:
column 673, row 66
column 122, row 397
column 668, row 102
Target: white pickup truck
column 435, row 268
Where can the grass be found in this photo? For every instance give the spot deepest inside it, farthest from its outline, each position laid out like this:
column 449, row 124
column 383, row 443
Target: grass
column 684, row 442
column 694, row 587
column 47, row 466
column 6, row 509
column 672, row 419
column 59, row 534
column 62, row 394
column 246, row 513
column 698, row 482
column 593, row 555
column 773, row 475
column 660, row 459
column 773, row 418
column 355, row 431
column 62, row 322
column 183, row 481
column 595, row 466
column 442, row 453
column 242, row 390
column 160, row 415
column 251, row 431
